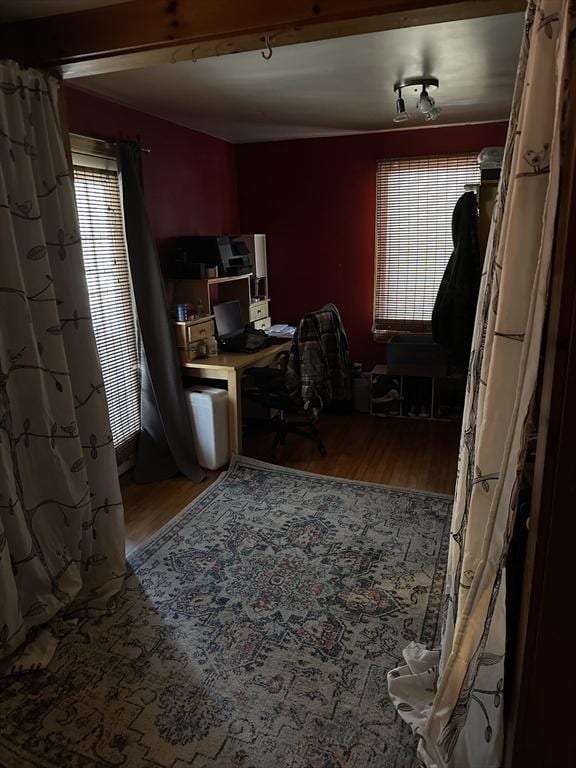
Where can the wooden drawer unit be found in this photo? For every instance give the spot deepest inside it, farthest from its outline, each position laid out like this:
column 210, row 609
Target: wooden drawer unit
column 258, row 310
column 262, row 325
column 194, row 330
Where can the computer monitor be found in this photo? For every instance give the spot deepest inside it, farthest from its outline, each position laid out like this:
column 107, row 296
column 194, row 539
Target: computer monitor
column 228, row 319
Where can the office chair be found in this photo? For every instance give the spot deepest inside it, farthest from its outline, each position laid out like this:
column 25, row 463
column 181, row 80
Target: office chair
column 267, row 387
column 315, row 374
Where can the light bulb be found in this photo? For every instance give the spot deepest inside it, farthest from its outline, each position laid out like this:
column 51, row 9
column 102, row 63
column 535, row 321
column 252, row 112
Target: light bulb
column 433, row 113
column 401, row 114
column 425, row 103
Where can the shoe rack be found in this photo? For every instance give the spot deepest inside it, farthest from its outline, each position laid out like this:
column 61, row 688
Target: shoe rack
column 417, row 396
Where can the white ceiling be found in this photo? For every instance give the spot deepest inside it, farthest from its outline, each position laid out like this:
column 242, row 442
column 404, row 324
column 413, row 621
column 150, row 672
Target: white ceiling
column 331, row 87
column 18, row 10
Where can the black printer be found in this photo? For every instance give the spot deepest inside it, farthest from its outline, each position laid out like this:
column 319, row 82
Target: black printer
column 191, row 255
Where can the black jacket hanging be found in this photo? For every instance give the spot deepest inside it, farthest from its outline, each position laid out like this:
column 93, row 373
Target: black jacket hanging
column 455, row 307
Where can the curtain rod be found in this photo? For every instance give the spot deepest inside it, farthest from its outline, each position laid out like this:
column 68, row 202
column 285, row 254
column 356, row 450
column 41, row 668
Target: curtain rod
column 108, row 142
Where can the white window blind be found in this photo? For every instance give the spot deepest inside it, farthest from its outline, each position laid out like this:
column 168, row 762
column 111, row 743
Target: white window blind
column 415, row 198
column 101, row 220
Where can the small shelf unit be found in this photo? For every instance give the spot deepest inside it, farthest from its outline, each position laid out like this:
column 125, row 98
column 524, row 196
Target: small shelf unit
column 420, row 391
column 214, row 290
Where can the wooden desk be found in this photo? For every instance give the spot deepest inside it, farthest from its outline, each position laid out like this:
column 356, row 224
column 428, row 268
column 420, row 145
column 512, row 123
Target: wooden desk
column 230, row 367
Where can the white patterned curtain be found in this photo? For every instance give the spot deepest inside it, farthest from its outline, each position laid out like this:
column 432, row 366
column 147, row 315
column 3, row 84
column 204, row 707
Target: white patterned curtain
column 453, row 698
column 61, row 519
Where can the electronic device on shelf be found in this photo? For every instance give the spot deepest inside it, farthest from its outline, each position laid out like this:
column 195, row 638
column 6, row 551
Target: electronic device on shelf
column 254, row 247
column 238, row 261
column 192, row 255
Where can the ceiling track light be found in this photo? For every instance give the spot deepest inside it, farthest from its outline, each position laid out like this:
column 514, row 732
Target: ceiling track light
column 426, row 104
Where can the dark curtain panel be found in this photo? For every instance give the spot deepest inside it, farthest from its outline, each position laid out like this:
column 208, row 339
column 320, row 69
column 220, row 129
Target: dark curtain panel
column 166, row 445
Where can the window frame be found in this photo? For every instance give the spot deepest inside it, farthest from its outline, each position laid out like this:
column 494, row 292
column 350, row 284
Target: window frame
column 98, row 154
column 384, row 328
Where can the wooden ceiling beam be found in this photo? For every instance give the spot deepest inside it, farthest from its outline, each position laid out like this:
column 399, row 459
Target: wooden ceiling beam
column 143, row 33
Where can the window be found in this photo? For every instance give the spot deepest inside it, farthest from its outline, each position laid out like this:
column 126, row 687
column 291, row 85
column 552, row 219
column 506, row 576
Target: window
column 415, row 198
column 101, row 220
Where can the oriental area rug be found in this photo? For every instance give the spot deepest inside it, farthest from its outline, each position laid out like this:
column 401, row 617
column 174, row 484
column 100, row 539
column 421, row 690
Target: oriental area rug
column 255, row 630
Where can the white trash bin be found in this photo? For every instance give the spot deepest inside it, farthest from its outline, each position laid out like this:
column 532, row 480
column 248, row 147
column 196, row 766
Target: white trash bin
column 208, row 410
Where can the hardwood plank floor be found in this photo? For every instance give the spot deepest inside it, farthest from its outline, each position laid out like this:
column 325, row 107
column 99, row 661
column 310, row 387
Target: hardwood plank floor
column 410, row 453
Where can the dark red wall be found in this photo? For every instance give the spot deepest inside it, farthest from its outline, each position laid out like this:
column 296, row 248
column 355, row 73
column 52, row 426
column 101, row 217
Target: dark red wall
column 316, row 201
column 189, row 177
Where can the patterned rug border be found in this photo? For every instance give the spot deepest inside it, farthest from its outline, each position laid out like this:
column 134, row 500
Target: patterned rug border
column 139, row 551
column 248, row 461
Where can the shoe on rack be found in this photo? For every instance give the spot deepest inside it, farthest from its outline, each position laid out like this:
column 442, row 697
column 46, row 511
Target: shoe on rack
column 424, row 412
column 389, row 397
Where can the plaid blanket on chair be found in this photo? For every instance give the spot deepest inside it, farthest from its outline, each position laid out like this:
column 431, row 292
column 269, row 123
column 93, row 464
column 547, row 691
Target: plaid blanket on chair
column 318, row 369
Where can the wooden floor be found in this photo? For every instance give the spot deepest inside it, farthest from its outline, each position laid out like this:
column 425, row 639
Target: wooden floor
column 409, row 453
